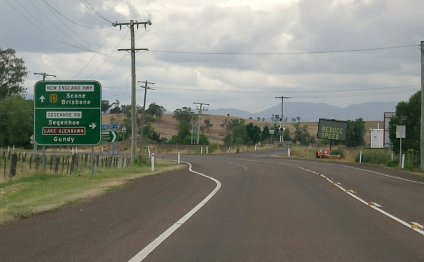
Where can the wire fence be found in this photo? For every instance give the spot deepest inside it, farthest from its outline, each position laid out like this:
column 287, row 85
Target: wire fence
column 14, row 163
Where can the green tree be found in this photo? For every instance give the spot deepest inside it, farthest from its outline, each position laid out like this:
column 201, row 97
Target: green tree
column 12, row 74
column 408, row 114
column 184, row 135
column 253, row 133
column 150, row 133
column 184, row 114
column 207, row 126
column 105, row 105
column 155, row 111
column 237, row 132
column 265, row 134
column 286, row 135
column 355, row 133
column 115, row 107
column 302, row 135
column 185, row 117
column 16, row 121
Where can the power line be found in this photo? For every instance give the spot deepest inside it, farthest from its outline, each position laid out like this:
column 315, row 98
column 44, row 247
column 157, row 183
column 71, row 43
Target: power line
column 37, row 23
column 91, row 8
column 354, row 95
column 93, row 55
column 282, row 53
column 40, row 28
column 63, row 33
column 104, row 64
column 65, row 17
column 292, row 91
column 50, row 22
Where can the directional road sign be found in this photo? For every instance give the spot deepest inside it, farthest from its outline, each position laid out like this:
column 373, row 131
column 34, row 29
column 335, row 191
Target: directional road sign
column 109, row 136
column 67, row 113
column 111, row 126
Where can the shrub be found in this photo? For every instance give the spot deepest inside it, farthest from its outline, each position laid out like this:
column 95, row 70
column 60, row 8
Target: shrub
column 375, row 157
column 337, row 151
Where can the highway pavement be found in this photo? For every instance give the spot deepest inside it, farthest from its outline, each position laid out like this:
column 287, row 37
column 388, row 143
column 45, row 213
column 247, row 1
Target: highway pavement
column 253, row 207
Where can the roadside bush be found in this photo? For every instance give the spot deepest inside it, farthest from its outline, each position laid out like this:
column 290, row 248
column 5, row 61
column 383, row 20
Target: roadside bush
column 213, row 148
column 380, row 157
column 338, row 151
column 303, row 152
column 412, row 159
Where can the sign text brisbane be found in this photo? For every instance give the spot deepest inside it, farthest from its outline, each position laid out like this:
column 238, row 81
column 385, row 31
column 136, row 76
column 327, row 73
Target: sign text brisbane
column 67, row 113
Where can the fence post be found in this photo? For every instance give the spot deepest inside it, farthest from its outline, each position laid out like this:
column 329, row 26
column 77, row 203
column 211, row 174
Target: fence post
column 13, row 164
column 43, row 161
column 288, row 151
column 179, row 158
column 360, row 157
column 152, row 158
column 73, row 164
column 5, row 166
column 92, row 161
column 56, row 164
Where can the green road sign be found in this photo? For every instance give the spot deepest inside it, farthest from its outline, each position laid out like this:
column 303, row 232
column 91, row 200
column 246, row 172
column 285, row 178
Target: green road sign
column 67, row 113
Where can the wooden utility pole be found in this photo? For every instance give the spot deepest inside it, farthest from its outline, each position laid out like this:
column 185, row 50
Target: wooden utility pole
column 422, row 107
column 143, row 115
column 282, row 117
column 44, row 75
column 132, row 50
column 35, row 144
column 198, row 118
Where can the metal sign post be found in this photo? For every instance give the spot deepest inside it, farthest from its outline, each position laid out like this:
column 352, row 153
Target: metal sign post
column 400, row 133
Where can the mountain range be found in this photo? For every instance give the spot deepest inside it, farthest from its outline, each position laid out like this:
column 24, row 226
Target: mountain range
column 311, row 112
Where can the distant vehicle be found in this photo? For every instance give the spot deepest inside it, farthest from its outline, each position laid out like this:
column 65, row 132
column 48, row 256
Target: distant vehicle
column 322, row 153
column 325, row 153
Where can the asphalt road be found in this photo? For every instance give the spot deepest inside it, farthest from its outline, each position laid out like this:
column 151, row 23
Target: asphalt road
column 268, row 209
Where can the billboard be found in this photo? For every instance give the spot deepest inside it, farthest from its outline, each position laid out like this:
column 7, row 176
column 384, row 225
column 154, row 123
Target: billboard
column 332, row 129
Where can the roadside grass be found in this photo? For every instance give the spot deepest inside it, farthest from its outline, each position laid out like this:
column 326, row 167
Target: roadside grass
column 29, row 195
column 346, row 154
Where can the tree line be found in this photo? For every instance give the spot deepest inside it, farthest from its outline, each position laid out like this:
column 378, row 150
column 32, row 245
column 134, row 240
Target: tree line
column 16, row 118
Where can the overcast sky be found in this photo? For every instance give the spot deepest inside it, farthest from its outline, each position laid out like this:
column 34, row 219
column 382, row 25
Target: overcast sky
column 230, row 54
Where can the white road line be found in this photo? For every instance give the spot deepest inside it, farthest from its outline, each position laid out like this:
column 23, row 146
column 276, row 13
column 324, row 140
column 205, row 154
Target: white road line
column 382, row 174
column 140, row 256
column 373, row 206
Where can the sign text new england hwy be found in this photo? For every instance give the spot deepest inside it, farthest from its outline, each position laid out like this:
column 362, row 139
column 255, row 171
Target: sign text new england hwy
column 67, row 113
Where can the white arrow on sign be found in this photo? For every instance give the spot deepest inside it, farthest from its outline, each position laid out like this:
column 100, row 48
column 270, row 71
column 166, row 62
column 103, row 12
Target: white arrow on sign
column 42, row 98
column 92, row 125
column 114, row 136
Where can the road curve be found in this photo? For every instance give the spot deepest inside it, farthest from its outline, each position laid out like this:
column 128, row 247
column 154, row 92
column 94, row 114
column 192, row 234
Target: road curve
column 272, row 210
column 268, row 209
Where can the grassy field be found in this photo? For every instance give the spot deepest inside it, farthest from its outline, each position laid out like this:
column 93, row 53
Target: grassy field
column 29, row 195
column 167, row 126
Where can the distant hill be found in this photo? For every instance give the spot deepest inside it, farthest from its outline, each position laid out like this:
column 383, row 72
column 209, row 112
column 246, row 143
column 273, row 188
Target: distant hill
column 311, row 112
